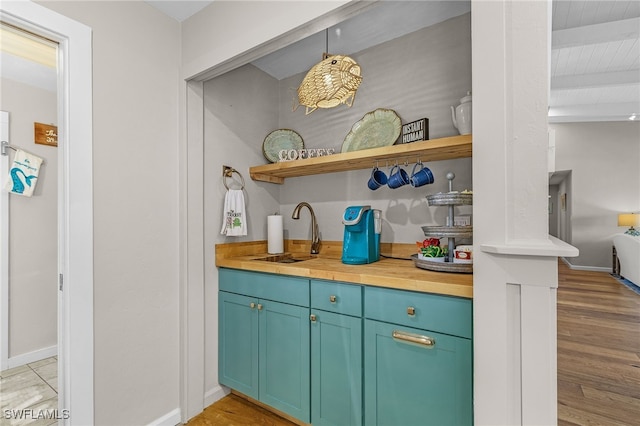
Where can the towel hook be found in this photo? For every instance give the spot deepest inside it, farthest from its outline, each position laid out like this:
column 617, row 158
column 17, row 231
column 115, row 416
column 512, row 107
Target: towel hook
column 6, row 145
column 228, row 172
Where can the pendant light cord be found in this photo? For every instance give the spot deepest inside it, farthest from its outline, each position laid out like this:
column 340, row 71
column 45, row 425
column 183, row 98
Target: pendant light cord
column 326, row 44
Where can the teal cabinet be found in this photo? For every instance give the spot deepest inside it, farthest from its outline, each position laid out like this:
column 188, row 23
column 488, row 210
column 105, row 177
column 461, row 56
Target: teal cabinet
column 238, row 343
column 336, row 354
column 264, row 344
column 339, row 354
column 417, row 376
column 284, row 358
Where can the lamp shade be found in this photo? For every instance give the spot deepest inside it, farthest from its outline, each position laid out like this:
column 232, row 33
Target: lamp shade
column 629, row 219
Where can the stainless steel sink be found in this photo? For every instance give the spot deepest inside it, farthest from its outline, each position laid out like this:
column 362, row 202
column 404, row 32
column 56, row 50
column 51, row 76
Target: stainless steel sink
column 286, row 258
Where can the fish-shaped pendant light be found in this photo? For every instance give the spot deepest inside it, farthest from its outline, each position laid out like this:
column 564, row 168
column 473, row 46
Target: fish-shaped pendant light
column 331, row 82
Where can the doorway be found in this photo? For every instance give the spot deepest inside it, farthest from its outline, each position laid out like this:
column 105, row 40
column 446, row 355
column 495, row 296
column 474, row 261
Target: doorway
column 74, row 204
column 560, row 197
column 29, row 220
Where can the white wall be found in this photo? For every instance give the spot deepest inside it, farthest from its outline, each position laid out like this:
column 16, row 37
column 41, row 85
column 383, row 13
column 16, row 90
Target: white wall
column 136, row 55
column 33, row 225
column 236, row 111
column 603, row 158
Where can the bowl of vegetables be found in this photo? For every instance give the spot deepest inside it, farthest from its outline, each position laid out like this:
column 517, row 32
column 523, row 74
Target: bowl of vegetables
column 430, row 250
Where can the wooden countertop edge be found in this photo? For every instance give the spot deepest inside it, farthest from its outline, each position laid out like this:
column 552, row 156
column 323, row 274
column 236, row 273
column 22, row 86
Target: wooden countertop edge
column 384, row 273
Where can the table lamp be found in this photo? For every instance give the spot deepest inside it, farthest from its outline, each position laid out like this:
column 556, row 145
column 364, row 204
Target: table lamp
column 631, row 220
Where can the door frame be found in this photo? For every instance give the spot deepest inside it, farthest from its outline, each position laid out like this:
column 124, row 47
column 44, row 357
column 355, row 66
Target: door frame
column 75, row 203
column 4, row 248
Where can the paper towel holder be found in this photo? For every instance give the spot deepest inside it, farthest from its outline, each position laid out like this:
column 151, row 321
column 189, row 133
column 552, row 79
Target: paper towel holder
column 227, row 172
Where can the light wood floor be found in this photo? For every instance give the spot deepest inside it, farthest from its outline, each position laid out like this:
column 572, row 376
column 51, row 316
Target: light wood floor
column 598, row 350
column 235, row 411
column 598, row 358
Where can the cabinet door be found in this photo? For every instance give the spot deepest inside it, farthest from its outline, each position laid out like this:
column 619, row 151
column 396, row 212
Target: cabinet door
column 412, row 384
column 238, row 343
column 336, row 369
column 284, row 358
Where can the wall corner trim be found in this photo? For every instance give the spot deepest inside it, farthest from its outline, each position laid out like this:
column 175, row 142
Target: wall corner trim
column 215, row 394
column 172, row 418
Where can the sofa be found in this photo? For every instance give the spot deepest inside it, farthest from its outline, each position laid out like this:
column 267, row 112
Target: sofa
column 628, row 252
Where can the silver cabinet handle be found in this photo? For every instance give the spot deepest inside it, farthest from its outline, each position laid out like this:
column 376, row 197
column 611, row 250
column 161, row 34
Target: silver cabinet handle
column 259, row 306
column 332, row 298
column 252, row 305
column 413, row 338
column 312, row 317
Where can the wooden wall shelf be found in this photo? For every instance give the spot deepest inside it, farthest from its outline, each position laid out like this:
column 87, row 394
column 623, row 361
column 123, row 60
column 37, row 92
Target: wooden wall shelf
column 431, row 150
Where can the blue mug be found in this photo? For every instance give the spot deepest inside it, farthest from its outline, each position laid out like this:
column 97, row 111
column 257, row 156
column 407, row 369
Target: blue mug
column 422, row 176
column 397, row 178
column 377, row 179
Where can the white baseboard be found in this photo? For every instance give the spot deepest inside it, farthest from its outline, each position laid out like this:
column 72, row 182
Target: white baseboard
column 214, row 394
column 172, row 418
column 29, row 357
column 585, row 268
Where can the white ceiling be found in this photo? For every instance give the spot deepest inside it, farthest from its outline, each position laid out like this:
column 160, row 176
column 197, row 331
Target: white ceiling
column 595, row 60
column 179, row 10
column 386, row 21
column 595, row 57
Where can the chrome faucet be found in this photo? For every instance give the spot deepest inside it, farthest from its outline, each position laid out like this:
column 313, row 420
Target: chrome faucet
column 315, row 234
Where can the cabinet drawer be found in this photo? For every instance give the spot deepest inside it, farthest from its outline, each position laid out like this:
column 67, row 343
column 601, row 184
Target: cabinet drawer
column 444, row 314
column 281, row 288
column 336, row 297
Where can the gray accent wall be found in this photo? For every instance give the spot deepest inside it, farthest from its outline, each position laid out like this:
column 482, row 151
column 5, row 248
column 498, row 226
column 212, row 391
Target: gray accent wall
column 245, row 105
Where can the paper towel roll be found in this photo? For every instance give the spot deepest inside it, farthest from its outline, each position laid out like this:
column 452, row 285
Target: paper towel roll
column 275, row 234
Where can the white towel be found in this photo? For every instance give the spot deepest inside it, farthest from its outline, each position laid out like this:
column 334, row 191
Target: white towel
column 23, row 174
column 234, row 218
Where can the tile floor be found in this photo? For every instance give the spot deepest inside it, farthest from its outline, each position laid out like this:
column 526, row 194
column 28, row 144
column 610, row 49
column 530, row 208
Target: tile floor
column 30, row 391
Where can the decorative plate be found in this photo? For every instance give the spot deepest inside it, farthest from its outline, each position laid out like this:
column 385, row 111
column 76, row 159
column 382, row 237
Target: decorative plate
column 278, row 140
column 377, row 128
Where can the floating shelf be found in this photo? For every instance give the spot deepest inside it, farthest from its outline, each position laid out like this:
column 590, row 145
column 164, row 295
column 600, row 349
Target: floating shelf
column 431, row 150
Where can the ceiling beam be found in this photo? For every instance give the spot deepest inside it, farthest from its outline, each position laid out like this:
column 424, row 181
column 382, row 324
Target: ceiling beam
column 600, row 112
column 602, row 79
column 626, row 29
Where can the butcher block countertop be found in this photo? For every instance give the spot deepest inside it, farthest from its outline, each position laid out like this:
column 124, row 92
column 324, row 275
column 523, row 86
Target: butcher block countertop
column 394, row 270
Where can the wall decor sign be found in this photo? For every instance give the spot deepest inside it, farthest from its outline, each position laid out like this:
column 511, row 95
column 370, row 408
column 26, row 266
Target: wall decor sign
column 301, row 154
column 45, row 134
column 415, row 131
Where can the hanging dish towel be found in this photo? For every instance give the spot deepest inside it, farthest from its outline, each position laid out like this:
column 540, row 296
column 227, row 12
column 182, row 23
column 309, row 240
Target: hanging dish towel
column 24, row 173
column 234, row 218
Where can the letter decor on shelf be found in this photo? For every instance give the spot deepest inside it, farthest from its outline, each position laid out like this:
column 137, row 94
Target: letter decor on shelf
column 415, row 131
column 301, row 154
